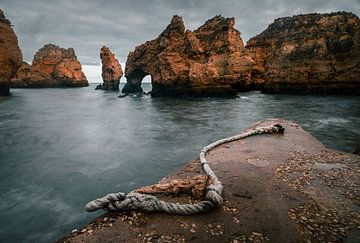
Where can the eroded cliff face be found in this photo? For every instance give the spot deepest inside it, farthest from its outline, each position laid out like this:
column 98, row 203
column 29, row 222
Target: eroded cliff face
column 111, row 70
column 52, row 66
column 10, row 54
column 310, row 53
column 22, row 76
column 210, row 61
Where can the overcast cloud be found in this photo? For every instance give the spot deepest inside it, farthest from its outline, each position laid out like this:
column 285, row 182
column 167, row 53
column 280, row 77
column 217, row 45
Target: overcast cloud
column 87, row 25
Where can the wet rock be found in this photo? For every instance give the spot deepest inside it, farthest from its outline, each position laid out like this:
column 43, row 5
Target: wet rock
column 357, row 150
column 52, row 66
column 309, row 53
column 111, row 70
column 210, row 61
column 10, row 54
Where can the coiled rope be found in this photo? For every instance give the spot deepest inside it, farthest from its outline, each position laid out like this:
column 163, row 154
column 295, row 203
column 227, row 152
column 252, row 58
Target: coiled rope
column 148, row 203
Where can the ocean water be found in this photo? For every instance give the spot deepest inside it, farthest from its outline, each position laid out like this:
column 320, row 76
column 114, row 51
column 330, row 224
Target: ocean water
column 60, row 148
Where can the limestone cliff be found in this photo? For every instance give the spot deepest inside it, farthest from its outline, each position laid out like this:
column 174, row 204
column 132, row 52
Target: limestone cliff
column 210, row 61
column 111, row 70
column 52, row 66
column 309, row 53
column 10, row 54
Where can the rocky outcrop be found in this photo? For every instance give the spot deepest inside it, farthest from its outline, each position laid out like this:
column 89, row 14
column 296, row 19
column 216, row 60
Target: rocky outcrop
column 52, row 66
column 210, row 61
column 22, row 77
column 314, row 53
column 111, row 70
column 10, row 54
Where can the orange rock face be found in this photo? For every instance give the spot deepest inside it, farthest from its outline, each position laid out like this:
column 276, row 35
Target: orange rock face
column 111, row 70
column 310, row 53
column 210, row 61
column 52, row 67
column 22, row 77
column 10, row 54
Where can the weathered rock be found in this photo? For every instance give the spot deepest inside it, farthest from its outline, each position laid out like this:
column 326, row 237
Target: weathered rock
column 10, row 54
column 111, row 70
column 52, row 66
column 22, row 76
column 357, row 150
column 210, row 61
column 315, row 53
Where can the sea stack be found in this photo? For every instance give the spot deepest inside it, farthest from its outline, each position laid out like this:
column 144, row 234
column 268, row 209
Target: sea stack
column 10, row 54
column 111, row 70
column 210, row 61
column 51, row 67
column 309, row 53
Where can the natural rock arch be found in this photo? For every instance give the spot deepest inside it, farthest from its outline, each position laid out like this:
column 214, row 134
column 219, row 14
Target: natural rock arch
column 135, row 79
column 210, row 61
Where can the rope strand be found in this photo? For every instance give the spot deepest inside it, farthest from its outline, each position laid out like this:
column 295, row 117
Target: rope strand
column 148, row 203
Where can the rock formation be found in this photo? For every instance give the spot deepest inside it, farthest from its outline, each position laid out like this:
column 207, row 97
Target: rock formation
column 315, row 53
column 111, row 70
column 52, row 67
column 22, row 77
column 210, row 61
column 10, row 54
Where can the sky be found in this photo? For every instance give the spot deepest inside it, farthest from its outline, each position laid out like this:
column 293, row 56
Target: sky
column 87, row 25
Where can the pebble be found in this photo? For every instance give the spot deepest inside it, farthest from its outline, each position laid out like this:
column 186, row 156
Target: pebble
column 256, row 234
column 74, row 231
column 83, row 230
column 105, row 219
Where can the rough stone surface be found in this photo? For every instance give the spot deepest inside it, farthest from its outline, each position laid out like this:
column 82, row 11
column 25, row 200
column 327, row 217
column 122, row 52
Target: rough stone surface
column 309, row 53
column 303, row 192
column 111, row 70
column 52, row 66
column 10, row 54
column 210, row 61
column 22, row 76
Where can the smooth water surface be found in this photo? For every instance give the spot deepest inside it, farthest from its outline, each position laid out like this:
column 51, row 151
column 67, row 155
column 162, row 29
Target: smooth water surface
column 60, row 148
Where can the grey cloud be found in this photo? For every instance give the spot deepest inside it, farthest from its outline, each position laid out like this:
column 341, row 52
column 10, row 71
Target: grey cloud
column 87, row 25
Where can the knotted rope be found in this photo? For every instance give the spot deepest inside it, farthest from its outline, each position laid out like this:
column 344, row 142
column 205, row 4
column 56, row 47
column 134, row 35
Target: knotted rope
column 148, row 203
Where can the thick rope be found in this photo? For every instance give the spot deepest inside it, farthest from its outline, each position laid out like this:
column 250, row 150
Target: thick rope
column 148, row 203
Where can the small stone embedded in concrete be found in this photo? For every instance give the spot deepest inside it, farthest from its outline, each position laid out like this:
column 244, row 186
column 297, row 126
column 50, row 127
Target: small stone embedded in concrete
column 258, row 162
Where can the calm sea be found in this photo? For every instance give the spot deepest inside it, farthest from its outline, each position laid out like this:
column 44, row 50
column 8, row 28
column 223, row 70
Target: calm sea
column 60, row 148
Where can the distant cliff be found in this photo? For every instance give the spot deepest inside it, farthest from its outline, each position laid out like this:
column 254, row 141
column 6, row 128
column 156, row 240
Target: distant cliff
column 52, row 67
column 210, row 61
column 309, row 53
column 10, row 54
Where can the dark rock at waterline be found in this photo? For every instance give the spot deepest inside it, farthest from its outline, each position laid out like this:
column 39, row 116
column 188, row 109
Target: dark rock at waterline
column 131, row 88
column 223, row 91
column 10, row 54
column 123, row 95
column 357, row 150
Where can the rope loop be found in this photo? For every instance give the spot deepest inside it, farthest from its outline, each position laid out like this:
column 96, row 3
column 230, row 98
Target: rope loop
column 213, row 198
